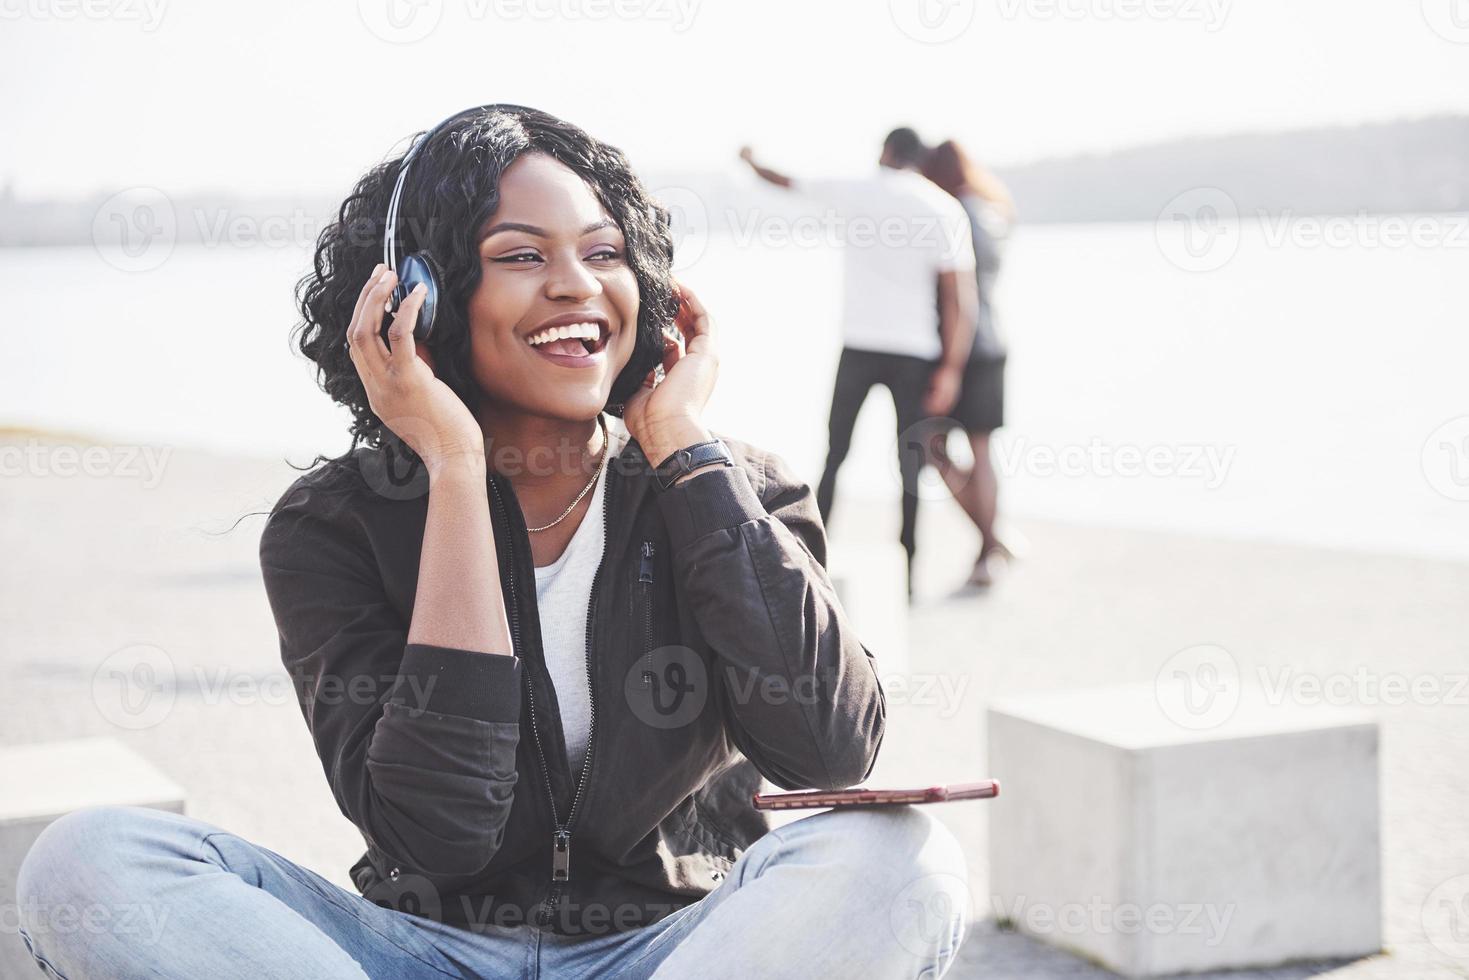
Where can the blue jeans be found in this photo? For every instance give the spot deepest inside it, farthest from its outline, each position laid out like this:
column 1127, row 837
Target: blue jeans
column 120, row 891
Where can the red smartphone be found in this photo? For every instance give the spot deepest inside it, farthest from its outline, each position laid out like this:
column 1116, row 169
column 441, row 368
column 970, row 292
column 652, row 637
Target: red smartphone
column 986, row 789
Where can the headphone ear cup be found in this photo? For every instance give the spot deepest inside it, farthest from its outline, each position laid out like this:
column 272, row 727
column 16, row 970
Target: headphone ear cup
column 415, row 268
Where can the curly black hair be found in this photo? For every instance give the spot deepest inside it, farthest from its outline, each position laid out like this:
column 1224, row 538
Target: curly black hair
column 452, row 189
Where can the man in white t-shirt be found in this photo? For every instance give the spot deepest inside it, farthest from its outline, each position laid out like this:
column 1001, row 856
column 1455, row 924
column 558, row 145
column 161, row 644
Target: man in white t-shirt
column 907, row 307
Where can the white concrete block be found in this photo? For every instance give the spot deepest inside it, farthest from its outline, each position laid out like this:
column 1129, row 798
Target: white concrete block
column 1154, row 848
column 46, row 780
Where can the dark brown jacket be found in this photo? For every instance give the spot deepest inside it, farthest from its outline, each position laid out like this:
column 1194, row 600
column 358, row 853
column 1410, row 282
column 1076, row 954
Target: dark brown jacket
column 715, row 641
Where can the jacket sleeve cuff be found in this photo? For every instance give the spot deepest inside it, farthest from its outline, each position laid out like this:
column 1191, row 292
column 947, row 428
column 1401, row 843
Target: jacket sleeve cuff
column 485, row 686
column 718, row 498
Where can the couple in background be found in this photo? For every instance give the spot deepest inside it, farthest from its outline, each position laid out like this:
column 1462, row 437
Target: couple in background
column 918, row 318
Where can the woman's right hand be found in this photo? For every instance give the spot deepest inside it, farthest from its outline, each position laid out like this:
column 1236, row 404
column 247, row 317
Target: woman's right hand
column 402, row 389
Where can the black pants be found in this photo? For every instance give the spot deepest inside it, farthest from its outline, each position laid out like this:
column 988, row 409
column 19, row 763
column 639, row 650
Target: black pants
column 906, row 379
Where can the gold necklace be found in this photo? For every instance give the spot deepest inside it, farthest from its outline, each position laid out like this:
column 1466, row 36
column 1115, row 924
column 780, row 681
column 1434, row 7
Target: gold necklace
column 602, row 421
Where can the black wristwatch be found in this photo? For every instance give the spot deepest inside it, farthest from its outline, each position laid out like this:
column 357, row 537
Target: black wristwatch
column 689, row 458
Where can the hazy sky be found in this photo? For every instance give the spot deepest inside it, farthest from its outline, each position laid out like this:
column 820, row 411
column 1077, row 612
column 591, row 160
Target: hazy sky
column 265, row 96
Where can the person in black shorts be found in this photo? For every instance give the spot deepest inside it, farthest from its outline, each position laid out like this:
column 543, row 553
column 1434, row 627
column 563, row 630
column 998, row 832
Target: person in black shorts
column 980, row 409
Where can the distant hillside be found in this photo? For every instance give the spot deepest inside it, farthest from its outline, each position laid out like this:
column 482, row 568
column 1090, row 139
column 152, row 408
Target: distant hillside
column 1398, row 167
column 1409, row 166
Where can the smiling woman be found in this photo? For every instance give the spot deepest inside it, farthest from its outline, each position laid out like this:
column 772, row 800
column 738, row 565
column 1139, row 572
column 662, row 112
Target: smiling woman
column 559, row 644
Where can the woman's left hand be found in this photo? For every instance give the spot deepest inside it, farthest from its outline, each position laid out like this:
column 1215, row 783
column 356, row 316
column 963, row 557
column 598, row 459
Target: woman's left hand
column 668, row 417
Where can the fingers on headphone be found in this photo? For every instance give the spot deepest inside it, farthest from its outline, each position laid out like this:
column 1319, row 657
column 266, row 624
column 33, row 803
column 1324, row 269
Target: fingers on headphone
column 364, row 333
column 373, row 294
column 405, row 320
column 372, row 279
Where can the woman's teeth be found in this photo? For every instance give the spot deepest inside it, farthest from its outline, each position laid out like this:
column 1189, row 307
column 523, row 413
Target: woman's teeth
column 575, row 331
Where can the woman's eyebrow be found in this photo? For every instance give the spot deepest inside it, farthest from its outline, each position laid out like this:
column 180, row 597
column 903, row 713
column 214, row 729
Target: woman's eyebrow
column 513, row 226
column 495, row 229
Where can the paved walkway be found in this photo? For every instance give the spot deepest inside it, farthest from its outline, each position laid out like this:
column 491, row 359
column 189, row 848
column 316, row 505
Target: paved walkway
column 98, row 563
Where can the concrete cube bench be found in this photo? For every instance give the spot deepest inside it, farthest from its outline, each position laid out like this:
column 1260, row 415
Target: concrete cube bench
column 48, row 779
column 1154, row 848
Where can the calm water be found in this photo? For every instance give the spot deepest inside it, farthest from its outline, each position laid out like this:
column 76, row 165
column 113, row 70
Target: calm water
column 1292, row 394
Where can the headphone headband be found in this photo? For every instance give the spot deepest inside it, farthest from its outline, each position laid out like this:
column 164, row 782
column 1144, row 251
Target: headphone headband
column 390, row 229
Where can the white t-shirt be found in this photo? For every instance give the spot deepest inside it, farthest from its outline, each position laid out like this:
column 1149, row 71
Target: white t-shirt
column 898, row 231
column 563, row 589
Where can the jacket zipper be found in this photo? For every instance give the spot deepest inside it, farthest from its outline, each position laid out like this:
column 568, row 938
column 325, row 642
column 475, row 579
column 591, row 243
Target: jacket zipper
column 561, row 836
column 645, row 580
